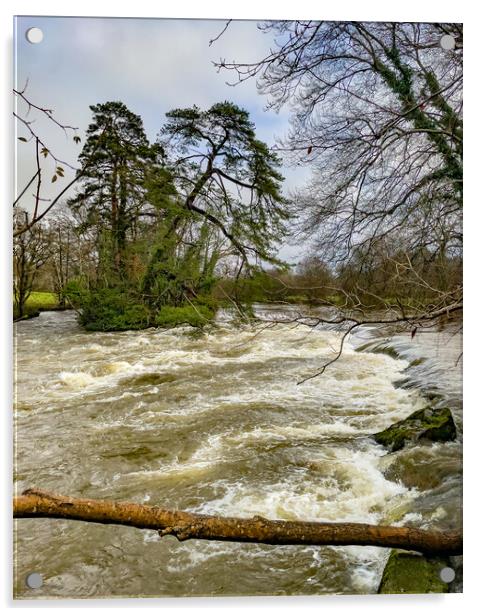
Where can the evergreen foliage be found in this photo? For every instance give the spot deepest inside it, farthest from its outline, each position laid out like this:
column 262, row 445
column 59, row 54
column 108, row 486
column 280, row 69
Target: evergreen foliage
column 117, row 154
column 164, row 216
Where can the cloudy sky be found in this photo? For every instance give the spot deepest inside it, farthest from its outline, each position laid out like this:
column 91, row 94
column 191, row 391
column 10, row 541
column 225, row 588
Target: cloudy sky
column 152, row 65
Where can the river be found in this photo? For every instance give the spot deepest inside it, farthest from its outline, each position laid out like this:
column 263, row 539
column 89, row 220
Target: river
column 216, row 423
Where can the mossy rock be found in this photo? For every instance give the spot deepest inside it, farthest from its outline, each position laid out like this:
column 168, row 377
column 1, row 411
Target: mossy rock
column 428, row 423
column 411, row 573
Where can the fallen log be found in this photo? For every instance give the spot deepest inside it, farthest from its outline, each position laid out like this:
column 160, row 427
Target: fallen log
column 35, row 503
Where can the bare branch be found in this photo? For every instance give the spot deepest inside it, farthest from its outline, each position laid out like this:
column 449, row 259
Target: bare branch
column 35, row 503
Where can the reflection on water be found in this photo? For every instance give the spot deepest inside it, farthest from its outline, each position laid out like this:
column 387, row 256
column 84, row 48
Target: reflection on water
column 215, row 423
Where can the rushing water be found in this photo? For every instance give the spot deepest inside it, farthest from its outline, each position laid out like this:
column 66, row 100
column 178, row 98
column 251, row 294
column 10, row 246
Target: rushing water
column 216, row 423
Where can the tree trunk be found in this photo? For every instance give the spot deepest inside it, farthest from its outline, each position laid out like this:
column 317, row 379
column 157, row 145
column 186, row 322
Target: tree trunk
column 36, row 503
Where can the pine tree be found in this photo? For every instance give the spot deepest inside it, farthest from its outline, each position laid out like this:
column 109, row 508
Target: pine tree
column 117, row 153
column 226, row 180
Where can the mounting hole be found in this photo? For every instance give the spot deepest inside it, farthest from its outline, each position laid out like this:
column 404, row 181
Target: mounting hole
column 447, row 42
column 34, row 35
column 447, row 575
column 34, row 580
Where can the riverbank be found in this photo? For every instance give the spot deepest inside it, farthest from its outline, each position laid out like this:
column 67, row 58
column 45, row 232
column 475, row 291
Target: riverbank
column 37, row 302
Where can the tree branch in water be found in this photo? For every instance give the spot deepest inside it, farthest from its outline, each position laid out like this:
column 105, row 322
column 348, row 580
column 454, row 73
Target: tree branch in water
column 183, row 525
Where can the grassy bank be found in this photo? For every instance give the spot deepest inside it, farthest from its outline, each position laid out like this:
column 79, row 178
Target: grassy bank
column 37, row 302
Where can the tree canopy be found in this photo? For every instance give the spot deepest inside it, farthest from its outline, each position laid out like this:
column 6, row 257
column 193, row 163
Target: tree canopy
column 376, row 110
column 115, row 157
column 165, row 215
column 226, row 175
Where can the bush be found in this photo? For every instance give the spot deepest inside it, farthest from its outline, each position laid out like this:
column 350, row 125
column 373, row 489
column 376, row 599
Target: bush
column 208, row 301
column 112, row 310
column 297, row 299
column 194, row 315
column 75, row 292
column 115, row 309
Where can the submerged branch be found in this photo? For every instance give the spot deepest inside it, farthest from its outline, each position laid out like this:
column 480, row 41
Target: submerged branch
column 183, row 525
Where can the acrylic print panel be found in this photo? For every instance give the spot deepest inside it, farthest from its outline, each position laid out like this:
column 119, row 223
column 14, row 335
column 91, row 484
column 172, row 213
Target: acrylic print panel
column 237, row 302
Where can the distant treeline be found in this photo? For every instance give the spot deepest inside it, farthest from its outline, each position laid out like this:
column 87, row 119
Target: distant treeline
column 379, row 284
column 310, row 282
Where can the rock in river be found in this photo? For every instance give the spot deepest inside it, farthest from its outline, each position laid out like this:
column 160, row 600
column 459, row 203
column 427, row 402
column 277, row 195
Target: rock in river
column 412, row 573
column 428, row 423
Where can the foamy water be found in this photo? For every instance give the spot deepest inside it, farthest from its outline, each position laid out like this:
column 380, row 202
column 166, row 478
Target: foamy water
column 212, row 423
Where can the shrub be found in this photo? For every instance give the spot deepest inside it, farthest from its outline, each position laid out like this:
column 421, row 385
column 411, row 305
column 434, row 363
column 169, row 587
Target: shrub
column 194, row 315
column 115, row 309
column 208, row 301
column 112, row 309
column 297, row 299
column 75, row 291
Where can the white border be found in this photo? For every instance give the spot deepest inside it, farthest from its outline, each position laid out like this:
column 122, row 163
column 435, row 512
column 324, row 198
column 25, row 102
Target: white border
column 405, row 10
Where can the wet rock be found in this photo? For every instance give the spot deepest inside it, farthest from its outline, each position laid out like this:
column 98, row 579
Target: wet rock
column 137, row 453
column 412, row 573
column 148, row 378
column 426, row 424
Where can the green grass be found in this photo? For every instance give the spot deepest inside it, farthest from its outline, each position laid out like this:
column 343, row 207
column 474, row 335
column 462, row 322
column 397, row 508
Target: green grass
column 38, row 301
column 41, row 300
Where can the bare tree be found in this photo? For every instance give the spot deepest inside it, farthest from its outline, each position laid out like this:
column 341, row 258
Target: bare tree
column 31, row 250
column 47, row 162
column 376, row 110
column 66, row 251
column 315, row 277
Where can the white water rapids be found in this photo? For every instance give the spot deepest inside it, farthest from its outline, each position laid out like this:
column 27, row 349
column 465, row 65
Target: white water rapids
column 216, row 423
